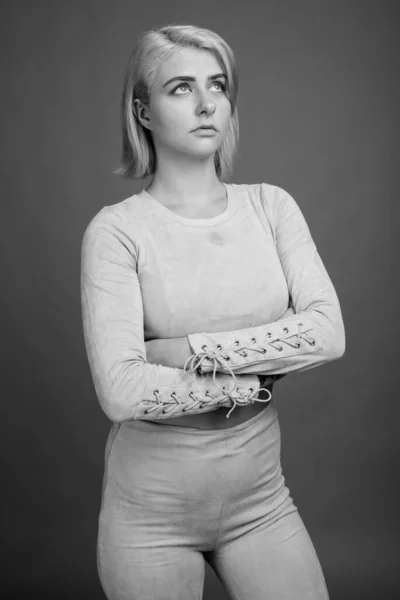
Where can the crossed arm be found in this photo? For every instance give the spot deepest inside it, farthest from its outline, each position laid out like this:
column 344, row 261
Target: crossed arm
column 174, row 352
column 112, row 311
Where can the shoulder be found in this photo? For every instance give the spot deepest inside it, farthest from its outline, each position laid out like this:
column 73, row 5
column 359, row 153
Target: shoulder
column 266, row 193
column 123, row 215
column 271, row 199
column 114, row 224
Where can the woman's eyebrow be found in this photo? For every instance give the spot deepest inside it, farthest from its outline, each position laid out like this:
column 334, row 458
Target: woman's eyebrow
column 189, row 78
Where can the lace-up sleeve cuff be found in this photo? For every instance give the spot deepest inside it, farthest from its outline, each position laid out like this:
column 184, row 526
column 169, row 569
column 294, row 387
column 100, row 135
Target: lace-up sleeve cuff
column 265, row 349
column 203, row 394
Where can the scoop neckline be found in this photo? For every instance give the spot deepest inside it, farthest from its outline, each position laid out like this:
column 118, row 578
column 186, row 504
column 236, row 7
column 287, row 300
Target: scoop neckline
column 194, row 222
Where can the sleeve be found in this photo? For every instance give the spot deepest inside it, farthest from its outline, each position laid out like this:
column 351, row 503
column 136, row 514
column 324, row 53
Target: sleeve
column 127, row 387
column 314, row 335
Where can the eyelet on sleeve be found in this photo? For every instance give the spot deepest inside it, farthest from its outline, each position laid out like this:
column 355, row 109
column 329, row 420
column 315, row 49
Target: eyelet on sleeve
column 237, row 354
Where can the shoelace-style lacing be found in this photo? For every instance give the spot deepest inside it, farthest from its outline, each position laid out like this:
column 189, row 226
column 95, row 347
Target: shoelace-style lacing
column 188, row 406
column 239, row 397
column 218, row 355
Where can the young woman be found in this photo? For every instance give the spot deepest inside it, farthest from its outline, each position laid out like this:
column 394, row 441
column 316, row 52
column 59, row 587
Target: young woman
column 197, row 295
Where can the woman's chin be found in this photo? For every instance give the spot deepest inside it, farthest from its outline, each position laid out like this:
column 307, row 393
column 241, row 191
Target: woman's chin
column 205, row 147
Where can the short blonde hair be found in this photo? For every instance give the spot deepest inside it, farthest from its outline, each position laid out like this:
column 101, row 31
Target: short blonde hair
column 138, row 151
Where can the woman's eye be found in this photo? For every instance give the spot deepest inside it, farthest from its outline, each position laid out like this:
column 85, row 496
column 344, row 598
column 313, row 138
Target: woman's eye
column 181, row 86
column 222, row 86
column 185, row 85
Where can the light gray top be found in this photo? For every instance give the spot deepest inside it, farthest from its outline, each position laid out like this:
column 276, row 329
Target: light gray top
column 223, row 281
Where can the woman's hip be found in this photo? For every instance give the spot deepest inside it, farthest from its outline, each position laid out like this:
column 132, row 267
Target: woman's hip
column 147, row 463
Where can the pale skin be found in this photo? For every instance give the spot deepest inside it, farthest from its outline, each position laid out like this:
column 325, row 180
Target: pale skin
column 185, row 179
column 185, row 176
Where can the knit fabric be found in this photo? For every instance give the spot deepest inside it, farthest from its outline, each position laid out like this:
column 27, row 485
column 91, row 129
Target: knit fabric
column 223, row 281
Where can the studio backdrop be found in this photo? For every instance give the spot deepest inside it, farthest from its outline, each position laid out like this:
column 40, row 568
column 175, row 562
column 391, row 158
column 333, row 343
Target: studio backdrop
column 318, row 109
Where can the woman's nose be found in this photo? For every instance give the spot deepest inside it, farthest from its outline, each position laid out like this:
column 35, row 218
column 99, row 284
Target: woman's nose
column 206, row 104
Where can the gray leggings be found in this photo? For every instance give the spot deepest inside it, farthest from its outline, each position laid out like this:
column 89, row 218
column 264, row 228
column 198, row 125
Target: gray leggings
column 175, row 496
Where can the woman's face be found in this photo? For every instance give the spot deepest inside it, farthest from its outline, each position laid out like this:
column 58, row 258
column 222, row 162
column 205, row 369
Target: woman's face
column 196, row 96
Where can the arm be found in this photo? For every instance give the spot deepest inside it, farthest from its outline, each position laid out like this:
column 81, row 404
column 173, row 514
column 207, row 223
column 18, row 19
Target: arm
column 175, row 352
column 311, row 337
column 127, row 386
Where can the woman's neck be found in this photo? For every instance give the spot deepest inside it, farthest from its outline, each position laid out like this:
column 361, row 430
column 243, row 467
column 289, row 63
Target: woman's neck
column 185, row 184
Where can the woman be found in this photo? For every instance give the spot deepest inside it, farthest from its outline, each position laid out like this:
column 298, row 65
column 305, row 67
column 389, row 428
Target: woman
column 197, row 295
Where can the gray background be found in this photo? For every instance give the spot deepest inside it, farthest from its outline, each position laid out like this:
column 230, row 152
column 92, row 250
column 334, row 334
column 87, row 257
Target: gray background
column 318, row 105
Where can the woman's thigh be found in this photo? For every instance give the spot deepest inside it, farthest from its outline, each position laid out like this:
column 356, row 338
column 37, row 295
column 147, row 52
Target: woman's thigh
column 272, row 561
column 165, row 573
column 263, row 550
column 159, row 511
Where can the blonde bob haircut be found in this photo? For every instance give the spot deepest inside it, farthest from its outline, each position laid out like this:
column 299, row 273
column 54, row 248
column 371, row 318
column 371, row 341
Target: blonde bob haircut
column 138, row 152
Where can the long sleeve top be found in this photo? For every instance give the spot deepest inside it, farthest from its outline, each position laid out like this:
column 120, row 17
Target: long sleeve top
column 224, row 282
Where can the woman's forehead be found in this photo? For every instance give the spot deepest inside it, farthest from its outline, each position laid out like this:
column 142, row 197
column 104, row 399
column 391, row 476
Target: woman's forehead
column 189, row 62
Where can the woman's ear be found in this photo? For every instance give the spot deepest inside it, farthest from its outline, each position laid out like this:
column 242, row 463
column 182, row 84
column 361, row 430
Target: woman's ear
column 140, row 112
